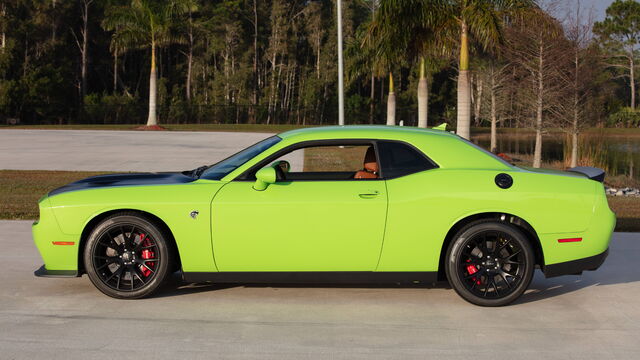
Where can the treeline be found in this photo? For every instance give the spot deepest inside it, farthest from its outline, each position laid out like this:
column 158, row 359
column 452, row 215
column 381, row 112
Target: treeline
column 259, row 61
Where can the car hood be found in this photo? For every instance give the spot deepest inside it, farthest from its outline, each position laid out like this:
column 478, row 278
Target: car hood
column 132, row 179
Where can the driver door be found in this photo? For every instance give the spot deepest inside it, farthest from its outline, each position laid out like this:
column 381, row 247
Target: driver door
column 316, row 217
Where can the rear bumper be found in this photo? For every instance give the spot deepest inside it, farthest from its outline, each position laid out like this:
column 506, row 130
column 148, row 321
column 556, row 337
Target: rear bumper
column 575, row 267
column 43, row 272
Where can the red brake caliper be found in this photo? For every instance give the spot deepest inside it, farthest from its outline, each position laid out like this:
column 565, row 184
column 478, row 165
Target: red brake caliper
column 472, row 269
column 146, row 255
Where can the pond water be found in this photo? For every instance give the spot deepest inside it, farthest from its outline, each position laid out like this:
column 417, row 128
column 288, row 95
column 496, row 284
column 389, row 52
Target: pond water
column 617, row 154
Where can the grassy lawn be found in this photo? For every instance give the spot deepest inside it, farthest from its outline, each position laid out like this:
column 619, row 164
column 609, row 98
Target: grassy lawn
column 21, row 189
column 483, row 131
column 174, row 127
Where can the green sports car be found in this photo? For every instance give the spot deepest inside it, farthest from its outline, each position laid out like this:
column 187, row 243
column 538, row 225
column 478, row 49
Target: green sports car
column 355, row 204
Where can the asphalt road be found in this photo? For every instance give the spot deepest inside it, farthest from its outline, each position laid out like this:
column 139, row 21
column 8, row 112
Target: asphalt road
column 595, row 316
column 103, row 150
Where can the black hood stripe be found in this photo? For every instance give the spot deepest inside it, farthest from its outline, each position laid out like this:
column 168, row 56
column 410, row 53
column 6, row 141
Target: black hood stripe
column 103, row 181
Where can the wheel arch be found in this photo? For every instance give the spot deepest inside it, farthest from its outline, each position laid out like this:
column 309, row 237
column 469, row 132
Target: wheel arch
column 500, row 217
column 91, row 224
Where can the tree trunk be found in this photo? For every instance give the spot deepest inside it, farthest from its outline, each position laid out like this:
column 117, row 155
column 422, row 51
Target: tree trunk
column 537, row 153
column 576, row 112
column 391, row 103
column 372, row 100
column 632, row 81
column 478, row 105
column 464, row 88
column 254, row 96
column 153, row 90
column 189, row 59
column 423, row 97
column 494, row 117
column 115, row 69
column 85, row 45
column 3, row 37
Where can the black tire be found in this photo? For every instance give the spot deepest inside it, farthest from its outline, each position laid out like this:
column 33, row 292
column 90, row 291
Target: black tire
column 127, row 256
column 490, row 263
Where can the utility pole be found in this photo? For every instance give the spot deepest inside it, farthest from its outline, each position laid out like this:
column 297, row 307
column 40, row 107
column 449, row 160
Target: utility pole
column 340, row 67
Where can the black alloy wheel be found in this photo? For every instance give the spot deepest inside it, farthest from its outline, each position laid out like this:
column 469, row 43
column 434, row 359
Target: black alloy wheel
column 490, row 263
column 127, row 256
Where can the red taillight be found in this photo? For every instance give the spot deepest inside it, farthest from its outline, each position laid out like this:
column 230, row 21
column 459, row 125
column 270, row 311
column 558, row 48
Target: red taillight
column 569, row 240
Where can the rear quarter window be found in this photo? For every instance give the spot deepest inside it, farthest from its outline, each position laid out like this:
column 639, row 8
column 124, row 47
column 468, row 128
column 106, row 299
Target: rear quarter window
column 400, row 159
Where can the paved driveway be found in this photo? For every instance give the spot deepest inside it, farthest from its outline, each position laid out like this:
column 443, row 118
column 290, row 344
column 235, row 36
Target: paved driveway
column 103, row 150
column 595, row 316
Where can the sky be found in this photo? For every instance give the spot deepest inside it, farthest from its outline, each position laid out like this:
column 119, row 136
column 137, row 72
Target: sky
column 599, row 6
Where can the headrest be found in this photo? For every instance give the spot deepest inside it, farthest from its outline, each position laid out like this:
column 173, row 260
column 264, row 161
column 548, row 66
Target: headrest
column 370, row 163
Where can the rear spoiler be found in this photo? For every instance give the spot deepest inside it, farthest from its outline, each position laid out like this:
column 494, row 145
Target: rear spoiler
column 590, row 172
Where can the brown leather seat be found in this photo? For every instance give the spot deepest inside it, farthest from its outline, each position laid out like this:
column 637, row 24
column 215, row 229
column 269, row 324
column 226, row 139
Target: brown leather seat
column 370, row 170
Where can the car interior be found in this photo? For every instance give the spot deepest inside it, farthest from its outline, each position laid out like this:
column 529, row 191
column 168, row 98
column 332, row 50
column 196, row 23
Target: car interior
column 369, row 169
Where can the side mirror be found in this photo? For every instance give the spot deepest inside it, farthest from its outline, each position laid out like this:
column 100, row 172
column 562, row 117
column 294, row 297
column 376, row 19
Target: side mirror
column 265, row 177
column 284, row 165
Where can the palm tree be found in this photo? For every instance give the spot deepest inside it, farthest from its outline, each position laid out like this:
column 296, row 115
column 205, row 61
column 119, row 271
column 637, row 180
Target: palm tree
column 369, row 55
column 423, row 96
column 146, row 24
column 445, row 25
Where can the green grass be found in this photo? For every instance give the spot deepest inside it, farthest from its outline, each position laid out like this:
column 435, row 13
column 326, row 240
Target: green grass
column 280, row 128
column 21, row 189
column 171, row 127
column 625, row 132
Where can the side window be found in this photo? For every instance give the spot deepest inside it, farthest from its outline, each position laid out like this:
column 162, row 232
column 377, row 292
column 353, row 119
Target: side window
column 400, row 159
column 334, row 162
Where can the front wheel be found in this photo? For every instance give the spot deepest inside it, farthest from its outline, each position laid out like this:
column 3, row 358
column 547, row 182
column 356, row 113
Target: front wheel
column 127, row 256
column 490, row 263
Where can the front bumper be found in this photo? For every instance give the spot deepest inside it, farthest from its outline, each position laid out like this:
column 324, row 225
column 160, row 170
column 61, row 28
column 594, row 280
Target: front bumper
column 43, row 272
column 59, row 251
column 575, row 267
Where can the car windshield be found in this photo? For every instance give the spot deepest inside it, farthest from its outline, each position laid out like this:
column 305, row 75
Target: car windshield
column 224, row 167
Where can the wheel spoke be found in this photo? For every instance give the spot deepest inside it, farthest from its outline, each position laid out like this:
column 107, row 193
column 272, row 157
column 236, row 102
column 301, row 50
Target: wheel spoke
column 134, row 270
column 115, row 273
column 486, row 287
column 512, row 255
column 503, row 246
column 127, row 238
column 504, row 279
column 118, row 283
column 109, row 259
column 145, row 265
column 513, row 262
column 138, row 246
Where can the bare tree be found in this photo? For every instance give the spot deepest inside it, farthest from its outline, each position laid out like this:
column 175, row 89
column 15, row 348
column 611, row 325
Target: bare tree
column 579, row 76
column 496, row 75
column 535, row 48
column 83, row 45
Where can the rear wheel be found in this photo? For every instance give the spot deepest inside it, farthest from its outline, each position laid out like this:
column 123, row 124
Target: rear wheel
column 490, row 263
column 127, row 256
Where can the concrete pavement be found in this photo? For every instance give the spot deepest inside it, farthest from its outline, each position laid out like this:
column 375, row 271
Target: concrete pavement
column 103, row 150
column 595, row 316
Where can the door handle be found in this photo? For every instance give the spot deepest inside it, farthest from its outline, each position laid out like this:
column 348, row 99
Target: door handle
column 369, row 194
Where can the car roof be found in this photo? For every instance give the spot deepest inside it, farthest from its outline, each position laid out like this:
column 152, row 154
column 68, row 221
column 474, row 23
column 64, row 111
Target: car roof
column 360, row 131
